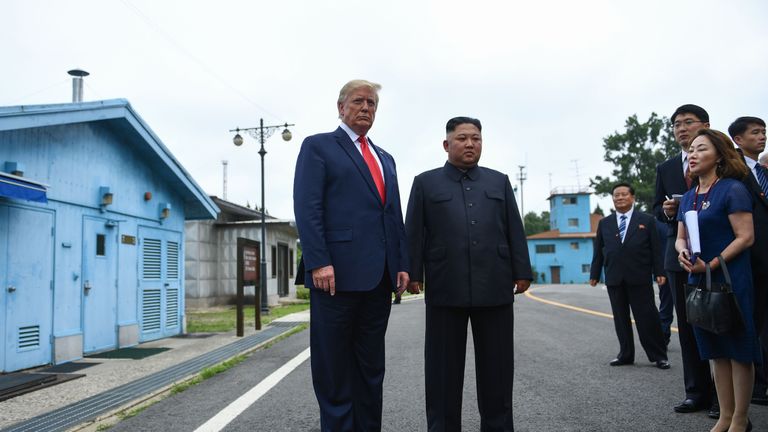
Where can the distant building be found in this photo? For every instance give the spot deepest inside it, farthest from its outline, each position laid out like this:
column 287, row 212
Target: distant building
column 211, row 271
column 92, row 211
column 564, row 254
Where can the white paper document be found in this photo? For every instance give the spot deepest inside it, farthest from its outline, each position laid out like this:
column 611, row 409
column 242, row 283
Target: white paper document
column 692, row 227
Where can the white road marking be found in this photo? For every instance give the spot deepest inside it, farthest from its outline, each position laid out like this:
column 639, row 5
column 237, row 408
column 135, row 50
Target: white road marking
column 225, row 416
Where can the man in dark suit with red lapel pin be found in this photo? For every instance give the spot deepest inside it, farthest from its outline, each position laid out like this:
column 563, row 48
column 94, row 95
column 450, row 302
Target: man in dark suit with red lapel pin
column 348, row 214
column 627, row 244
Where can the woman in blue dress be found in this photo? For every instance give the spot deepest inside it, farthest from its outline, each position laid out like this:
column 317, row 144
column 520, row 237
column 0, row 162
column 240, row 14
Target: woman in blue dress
column 724, row 209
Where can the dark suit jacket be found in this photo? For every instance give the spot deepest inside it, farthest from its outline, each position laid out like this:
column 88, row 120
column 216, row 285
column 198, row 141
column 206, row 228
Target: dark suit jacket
column 759, row 250
column 340, row 217
column 633, row 262
column 466, row 237
column 669, row 180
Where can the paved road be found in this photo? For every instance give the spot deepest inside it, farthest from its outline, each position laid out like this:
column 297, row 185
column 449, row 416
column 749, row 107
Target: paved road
column 562, row 380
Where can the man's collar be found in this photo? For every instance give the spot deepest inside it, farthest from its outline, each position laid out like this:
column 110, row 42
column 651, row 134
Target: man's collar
column 352, row 134
column 628, row 213
column 456, row 173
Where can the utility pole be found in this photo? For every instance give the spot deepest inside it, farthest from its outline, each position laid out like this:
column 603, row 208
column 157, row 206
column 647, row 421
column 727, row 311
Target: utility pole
column 224, row 165
column 522, row 177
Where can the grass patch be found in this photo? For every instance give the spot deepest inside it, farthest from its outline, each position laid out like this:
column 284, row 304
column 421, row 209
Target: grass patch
column 302, row 292
column 208, row 373
column 225, row 319
column 103, row 427
column 132, row 413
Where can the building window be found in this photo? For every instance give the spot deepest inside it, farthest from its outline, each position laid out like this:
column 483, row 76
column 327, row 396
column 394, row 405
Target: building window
column 290, row 262
column 545, row 248
column 274, row 261
column 101, row 245
column 585, row 268
column 575, row 245
column 570, row 200
column 573, row 222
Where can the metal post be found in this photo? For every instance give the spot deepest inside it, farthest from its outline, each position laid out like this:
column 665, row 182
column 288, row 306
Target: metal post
column 263, row 282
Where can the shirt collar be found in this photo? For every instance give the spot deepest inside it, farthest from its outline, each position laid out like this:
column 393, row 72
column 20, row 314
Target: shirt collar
column 456, row 173
column 628, row 214
column 750, row 162
column 352, row 134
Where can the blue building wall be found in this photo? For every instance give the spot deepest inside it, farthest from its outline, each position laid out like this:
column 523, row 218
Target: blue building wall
column 564, row 252
column 571, row 261
column 90, row 147
column 565, row 209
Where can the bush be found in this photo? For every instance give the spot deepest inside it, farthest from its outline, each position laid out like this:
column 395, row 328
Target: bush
column 302, row 292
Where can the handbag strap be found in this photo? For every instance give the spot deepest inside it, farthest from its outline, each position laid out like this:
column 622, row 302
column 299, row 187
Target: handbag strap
column 725, row 270
column 708, row 270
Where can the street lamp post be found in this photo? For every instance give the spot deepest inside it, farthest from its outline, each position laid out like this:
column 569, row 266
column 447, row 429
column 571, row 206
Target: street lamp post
column 262, row 133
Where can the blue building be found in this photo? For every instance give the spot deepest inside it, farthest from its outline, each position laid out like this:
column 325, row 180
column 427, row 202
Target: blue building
column 92, row 212
column 564, row 253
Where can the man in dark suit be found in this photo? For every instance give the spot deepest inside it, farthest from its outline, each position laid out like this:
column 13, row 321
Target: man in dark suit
column 347, row 206
column 671, row 180
column 468, row 245
column 627, row 244
column 749, row 134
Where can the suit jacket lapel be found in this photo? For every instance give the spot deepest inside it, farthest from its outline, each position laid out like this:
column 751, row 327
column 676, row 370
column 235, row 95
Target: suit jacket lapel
column 349, row 147
column 388, row 171
column 756, row 190
column 613, row 224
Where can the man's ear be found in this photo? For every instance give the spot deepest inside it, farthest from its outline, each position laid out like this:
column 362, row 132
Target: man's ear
column 445, row 145
column 737, row 140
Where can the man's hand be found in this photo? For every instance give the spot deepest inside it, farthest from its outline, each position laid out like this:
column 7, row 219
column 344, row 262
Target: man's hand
column 593, row 282
column 414, row 287
column 661, row 280
column 670, row 208
column 402, row 282
column 324, row 279
column 522, row 285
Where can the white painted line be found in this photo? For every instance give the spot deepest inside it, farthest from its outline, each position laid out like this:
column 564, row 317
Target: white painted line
column 225, row 416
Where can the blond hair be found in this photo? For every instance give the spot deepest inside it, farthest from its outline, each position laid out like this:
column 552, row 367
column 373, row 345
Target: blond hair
column 356, row 84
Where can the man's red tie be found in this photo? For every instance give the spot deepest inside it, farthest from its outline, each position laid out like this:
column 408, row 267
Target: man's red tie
column 373, row 167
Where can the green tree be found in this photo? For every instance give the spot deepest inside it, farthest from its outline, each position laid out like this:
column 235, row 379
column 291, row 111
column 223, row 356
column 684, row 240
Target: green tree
column 535, row 224
column 599, row 210
column 634, row 155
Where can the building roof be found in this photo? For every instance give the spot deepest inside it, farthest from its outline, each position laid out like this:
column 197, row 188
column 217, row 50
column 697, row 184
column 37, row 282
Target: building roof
column 569, row 190
column 594, row 218
column 231, row 212
column 119, row 116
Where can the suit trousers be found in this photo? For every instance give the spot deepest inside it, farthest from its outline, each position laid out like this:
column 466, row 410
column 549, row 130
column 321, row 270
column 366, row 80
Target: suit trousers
column 666, row 310
column 640, row 299
column 347, row 343
column 445, row 350
column 696, row 374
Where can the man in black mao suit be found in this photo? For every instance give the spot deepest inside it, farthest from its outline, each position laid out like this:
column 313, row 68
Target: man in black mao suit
column 627, row 244
column 671, row 180
column 749, row 134
column 467, row 243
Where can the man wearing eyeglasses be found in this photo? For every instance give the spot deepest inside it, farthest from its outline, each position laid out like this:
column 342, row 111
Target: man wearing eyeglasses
column 672, row 181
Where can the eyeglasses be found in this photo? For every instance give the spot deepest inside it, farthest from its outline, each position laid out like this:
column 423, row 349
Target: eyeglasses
column 686, row 123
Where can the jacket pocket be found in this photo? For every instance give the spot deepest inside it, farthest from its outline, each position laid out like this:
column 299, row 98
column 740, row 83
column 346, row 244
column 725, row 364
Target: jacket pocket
column 435, row 254
column 338, row 235
column 504, row 251
column 441, row 197
column 495, row 195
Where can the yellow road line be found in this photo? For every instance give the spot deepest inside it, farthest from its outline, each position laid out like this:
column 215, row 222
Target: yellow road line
column 574, row 308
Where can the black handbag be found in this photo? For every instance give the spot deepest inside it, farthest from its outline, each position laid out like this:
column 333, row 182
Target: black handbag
column 713, row 307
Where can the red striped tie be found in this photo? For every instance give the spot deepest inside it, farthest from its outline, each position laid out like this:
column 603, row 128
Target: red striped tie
column 373, row 167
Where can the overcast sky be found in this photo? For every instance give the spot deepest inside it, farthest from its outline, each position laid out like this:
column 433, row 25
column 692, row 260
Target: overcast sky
column 548, row 79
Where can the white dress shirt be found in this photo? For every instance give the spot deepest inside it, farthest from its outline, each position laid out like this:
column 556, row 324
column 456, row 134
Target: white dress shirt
column 353, row 136
column 618, row 220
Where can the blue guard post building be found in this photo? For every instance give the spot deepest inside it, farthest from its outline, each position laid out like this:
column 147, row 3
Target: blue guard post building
column 92, row 212
column 564, row 253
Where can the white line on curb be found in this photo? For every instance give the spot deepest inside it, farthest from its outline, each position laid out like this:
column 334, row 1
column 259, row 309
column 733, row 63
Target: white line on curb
column 225, row 416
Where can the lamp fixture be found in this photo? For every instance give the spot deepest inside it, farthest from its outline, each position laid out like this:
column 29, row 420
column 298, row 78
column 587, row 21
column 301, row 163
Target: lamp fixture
column 165, row 210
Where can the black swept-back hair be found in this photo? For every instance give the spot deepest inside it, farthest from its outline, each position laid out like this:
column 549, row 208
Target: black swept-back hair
column 623, row 184
column 456, row 121
column 740, row 125
column 696, row 110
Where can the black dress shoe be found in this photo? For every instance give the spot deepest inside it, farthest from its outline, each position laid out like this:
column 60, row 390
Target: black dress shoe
column 662, row 364
column 617, row 362
column 688, row 406
column 714, row 411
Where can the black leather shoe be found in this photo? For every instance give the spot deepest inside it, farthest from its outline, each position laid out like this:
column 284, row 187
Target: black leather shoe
column 688, row 406
column 617, row 362
column 759, row 398
column 662, row 364
column 714, row 411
